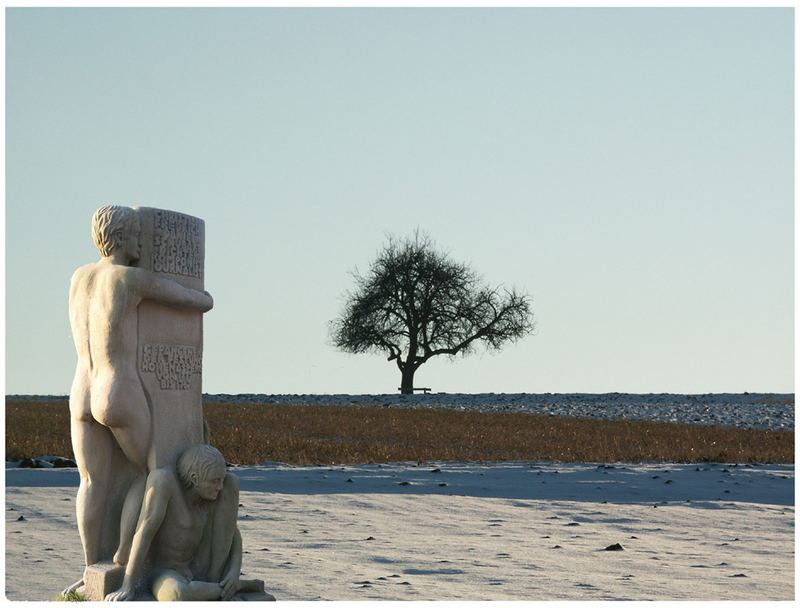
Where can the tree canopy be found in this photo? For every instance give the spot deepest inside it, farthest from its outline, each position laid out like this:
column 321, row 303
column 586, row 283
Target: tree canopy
column 415, row 303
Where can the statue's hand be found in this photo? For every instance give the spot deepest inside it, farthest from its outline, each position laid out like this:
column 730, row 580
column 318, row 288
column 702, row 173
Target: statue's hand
column 230, row 584
column 120, row 596
column 72, row 588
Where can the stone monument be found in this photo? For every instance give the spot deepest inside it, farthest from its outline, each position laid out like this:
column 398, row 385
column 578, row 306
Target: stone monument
column 136, row 398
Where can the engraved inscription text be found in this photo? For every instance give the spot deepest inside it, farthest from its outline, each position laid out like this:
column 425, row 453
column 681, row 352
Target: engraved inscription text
column 172, row 365
column 177, row 243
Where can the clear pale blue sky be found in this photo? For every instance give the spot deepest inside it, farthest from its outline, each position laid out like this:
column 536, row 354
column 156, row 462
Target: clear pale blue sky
column 632, row 169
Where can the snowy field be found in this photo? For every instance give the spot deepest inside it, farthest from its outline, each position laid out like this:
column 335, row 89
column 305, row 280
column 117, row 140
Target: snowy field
column 463, row 531
column 490, row 531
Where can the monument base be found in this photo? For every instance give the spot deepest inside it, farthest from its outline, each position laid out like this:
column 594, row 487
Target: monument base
column 100, row 579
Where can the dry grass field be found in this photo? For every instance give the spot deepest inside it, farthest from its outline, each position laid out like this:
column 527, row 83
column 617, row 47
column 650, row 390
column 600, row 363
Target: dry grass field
column 250, row 433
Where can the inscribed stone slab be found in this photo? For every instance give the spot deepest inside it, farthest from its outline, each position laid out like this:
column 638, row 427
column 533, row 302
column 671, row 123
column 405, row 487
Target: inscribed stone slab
column 170, row 347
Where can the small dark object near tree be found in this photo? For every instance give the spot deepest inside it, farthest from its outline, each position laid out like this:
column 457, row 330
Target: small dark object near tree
column 415, row 303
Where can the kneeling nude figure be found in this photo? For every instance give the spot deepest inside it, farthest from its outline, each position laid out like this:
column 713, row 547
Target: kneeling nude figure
column 188, row 525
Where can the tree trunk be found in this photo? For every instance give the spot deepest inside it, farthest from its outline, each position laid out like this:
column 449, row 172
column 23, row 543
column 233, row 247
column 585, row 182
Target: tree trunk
column 407, row 381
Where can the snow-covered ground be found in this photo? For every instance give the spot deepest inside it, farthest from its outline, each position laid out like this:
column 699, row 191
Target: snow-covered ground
column 465, row 531
column 745, row 410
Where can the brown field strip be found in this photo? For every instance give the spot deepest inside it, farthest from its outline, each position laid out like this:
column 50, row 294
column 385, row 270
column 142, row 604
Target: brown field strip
column 248, row 433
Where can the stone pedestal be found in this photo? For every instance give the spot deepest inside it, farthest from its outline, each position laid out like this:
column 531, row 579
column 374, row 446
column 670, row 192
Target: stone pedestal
column 170, row 347
column 100, row 579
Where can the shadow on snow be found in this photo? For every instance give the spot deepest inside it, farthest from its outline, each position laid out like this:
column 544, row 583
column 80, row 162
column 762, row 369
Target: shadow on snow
column 702, row 485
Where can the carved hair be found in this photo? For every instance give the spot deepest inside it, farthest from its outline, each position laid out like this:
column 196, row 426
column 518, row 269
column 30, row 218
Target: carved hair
column 107, row 221
column 201, row 459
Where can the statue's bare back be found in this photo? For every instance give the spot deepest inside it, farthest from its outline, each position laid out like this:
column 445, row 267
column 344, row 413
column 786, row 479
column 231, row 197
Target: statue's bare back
column 103, row 313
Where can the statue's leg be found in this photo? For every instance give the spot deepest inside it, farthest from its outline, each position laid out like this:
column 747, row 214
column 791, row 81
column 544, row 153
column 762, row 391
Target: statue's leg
column 171, row 586
column 250, row 585
column 130, row 518
column 127, row 414
column 223, row 527
column 93, row 446
column 130, row 424
column 198, row 591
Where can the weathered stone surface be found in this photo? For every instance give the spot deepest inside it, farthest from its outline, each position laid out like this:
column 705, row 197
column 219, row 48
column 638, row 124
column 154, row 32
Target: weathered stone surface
column 143, row 291
column 170, row 341
column 136, row 407
column 100, row 579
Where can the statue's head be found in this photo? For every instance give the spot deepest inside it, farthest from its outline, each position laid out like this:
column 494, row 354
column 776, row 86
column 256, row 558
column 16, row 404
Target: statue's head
column 203, row 467
column 112, row 226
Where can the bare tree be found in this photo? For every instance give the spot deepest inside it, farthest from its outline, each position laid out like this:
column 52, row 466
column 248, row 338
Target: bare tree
column 415, row 303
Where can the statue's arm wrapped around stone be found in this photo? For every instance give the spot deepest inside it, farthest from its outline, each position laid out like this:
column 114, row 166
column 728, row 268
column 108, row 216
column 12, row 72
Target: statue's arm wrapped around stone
column 150, row 286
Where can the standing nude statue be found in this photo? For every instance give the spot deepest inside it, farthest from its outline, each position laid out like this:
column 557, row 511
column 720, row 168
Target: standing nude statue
column 188, row 527
column 108, row 406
